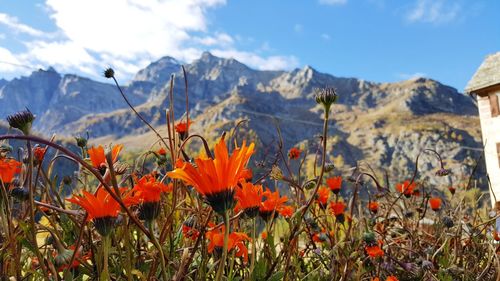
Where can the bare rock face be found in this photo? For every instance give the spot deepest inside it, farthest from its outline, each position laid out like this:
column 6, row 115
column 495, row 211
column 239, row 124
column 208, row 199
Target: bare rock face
column 383, row 124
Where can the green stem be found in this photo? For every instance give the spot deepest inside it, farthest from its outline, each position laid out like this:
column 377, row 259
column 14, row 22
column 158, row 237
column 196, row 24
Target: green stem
column 105, row 253
column 222, row 261
column 254, row 247
column 128, row 260
column 160, row 251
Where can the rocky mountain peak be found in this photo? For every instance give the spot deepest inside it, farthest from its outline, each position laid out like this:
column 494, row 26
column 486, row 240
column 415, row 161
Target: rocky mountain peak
column 158, row 71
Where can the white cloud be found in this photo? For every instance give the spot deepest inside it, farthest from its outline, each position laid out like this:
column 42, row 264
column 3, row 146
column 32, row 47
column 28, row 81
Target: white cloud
column 9, row 63
column 408, row 76
column 434, row 11
column 129, row 34
column 326, row 36
column 332, row 2
column 14, row 24
column 259, row 62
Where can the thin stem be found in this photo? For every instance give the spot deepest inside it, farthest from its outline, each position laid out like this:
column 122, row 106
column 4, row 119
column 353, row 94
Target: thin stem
column 137, row 113
column 160, row 251
column 254, row 247
column 224, row 248
column 105, row 253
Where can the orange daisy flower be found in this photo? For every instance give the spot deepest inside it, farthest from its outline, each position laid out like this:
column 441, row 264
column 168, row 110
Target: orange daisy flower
column 273, row 204
column 263, row 235
column 162, row 151
column 8, row 169
column 322, row 196
column 248, row 198
column 435, row 203
column 236, row 241
column 215, row 179
column 335, row 183
column 392, row 278
column 337, row 209
column 373, row 207
column 294, row 153
column 375, row 279
column 286, row 211
column 98, row 157
column 374, row 251
column 38, row 154
column 101, row 208
column 406, row 188
column 147, row 192
column 182, row 129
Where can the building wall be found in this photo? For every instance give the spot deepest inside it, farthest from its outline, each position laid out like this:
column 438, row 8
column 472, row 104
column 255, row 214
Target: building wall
column 490, row 127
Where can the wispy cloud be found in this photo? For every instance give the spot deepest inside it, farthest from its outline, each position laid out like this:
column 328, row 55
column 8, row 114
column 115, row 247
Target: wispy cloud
column 434, row 11
column 258, row 62
column 326, row 36
column 14, row 24
column 129, row 34
column 407, row 76
column 332, row 2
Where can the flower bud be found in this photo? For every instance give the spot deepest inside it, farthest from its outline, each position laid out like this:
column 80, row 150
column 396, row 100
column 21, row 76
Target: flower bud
column 22, row 120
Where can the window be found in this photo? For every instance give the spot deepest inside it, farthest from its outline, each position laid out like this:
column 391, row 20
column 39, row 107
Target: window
column 495, row 111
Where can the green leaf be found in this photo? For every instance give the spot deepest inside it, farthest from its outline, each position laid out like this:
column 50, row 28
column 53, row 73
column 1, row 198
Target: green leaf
column 277, row 276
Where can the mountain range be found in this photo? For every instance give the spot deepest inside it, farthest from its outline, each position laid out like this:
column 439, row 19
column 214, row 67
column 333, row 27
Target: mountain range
column 380, row 125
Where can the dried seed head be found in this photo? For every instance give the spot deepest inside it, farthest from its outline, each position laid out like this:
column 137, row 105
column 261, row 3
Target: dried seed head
column 81, row 142
column 443, row 172
column 22, row 120
column 329, row 167
column 326, row 96
column 369, row 238
column 109, row 73
column 448, row 222
column 276, row 173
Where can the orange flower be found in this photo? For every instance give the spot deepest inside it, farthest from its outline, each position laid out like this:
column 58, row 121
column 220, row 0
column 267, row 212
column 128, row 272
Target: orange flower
column 335, row 183
column 286, row 211
column 98, row 157
column 249, row 197
column 322, row 196
column 373, row 207
column 183, row 127
column 374, row 251
column 101, row 208
column 375, row 279
column 189, row 231
column 148, row 189
column 162, row 151
column 435, row 203
column 495, row 235
column 273, row 204
column 247, row 174
column 392, row 278
column 294, row 153
column 236, row 241
column 406, row 188
column 263, row 235
column 8, row 169
column 337, row 208
column 215, row 179
column 38, row 154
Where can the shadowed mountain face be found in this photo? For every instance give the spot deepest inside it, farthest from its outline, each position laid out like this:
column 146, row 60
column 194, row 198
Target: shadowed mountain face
column 383, row 124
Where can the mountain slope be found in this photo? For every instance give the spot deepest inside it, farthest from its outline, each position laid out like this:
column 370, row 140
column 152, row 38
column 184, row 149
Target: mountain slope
column 383, row 124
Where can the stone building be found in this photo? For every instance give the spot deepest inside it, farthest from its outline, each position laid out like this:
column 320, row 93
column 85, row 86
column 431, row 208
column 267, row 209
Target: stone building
column 485, row 85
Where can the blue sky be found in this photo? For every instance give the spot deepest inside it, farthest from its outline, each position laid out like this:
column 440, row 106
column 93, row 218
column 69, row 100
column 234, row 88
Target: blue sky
column 376, row 40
